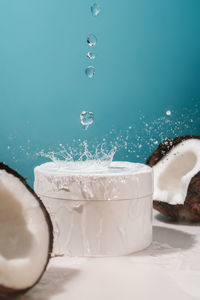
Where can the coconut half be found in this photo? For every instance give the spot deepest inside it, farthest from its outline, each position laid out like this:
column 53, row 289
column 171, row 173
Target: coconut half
column 25, row 235
column 176, row 167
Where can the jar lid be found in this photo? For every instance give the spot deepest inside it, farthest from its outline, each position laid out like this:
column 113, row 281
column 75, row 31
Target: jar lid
column 120, row 181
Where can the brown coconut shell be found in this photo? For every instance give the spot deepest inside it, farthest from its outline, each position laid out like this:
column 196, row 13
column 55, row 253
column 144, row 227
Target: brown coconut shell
column 9, row 293
column 190, row 210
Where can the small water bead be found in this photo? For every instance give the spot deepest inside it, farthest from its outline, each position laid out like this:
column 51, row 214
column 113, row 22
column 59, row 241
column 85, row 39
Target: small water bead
column 90, row 71
column 91, row 55
column 95, row 9
column 168, row 112
column 87, row 118
column 91, row 40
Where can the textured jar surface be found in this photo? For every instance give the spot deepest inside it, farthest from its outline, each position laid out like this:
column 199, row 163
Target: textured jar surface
column 98, row 213
column 100, row 228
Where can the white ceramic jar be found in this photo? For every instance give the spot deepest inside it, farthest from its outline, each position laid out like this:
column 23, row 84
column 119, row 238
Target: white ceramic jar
column 97, row 213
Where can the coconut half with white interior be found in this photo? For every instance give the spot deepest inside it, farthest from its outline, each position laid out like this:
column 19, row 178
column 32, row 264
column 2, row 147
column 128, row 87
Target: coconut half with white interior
column 176, row 167
column 25, row 235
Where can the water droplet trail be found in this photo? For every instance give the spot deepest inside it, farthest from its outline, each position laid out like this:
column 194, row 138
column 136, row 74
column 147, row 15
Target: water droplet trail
column 91, row 55
column 95, row 9
column 87, row 118
column 91, row 40
column 90, row 71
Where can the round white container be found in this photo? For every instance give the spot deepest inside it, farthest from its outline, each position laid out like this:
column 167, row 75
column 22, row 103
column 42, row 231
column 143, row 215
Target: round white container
column 97, row 213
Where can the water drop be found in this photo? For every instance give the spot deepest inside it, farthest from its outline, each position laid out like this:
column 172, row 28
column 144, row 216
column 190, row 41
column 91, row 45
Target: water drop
column 95, row 9
column 91, row 55
column 87, row 118
column 168, row 112
column 91, row 40
column 90, row 71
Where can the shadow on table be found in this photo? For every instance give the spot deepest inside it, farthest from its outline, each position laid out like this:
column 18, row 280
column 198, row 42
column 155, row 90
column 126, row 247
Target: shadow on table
column 166, row 241
column 52, row 283
column 173, row 238
column 169, row 220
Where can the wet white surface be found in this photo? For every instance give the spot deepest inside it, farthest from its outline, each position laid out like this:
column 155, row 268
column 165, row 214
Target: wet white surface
column 168, row 269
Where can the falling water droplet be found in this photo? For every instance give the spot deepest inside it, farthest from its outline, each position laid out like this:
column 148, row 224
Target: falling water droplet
column 90, row 71
column 168, row 112
column 87, row 118
column 91, row 55
column 91, row 40
column 95, row 9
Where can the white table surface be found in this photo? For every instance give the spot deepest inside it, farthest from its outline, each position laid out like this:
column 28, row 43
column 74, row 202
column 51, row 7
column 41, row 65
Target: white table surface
column 169, row 269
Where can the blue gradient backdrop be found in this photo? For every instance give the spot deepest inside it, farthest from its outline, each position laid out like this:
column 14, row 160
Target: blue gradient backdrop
column 148, row 61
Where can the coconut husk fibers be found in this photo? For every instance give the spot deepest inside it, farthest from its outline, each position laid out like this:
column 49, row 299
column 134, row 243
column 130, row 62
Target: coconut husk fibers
column 7, row 292
column 190, row 210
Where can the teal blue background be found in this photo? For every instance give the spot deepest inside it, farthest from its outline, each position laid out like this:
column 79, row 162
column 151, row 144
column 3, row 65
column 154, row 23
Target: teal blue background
column 148, row 61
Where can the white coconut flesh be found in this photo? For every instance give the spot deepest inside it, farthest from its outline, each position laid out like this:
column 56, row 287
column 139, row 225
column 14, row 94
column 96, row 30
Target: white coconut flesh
column 173, row 173
column 24, row 234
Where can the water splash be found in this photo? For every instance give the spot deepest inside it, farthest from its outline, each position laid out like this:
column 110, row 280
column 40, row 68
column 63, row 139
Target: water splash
column 145, row 131
column 135, row 142
column 81, row 158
